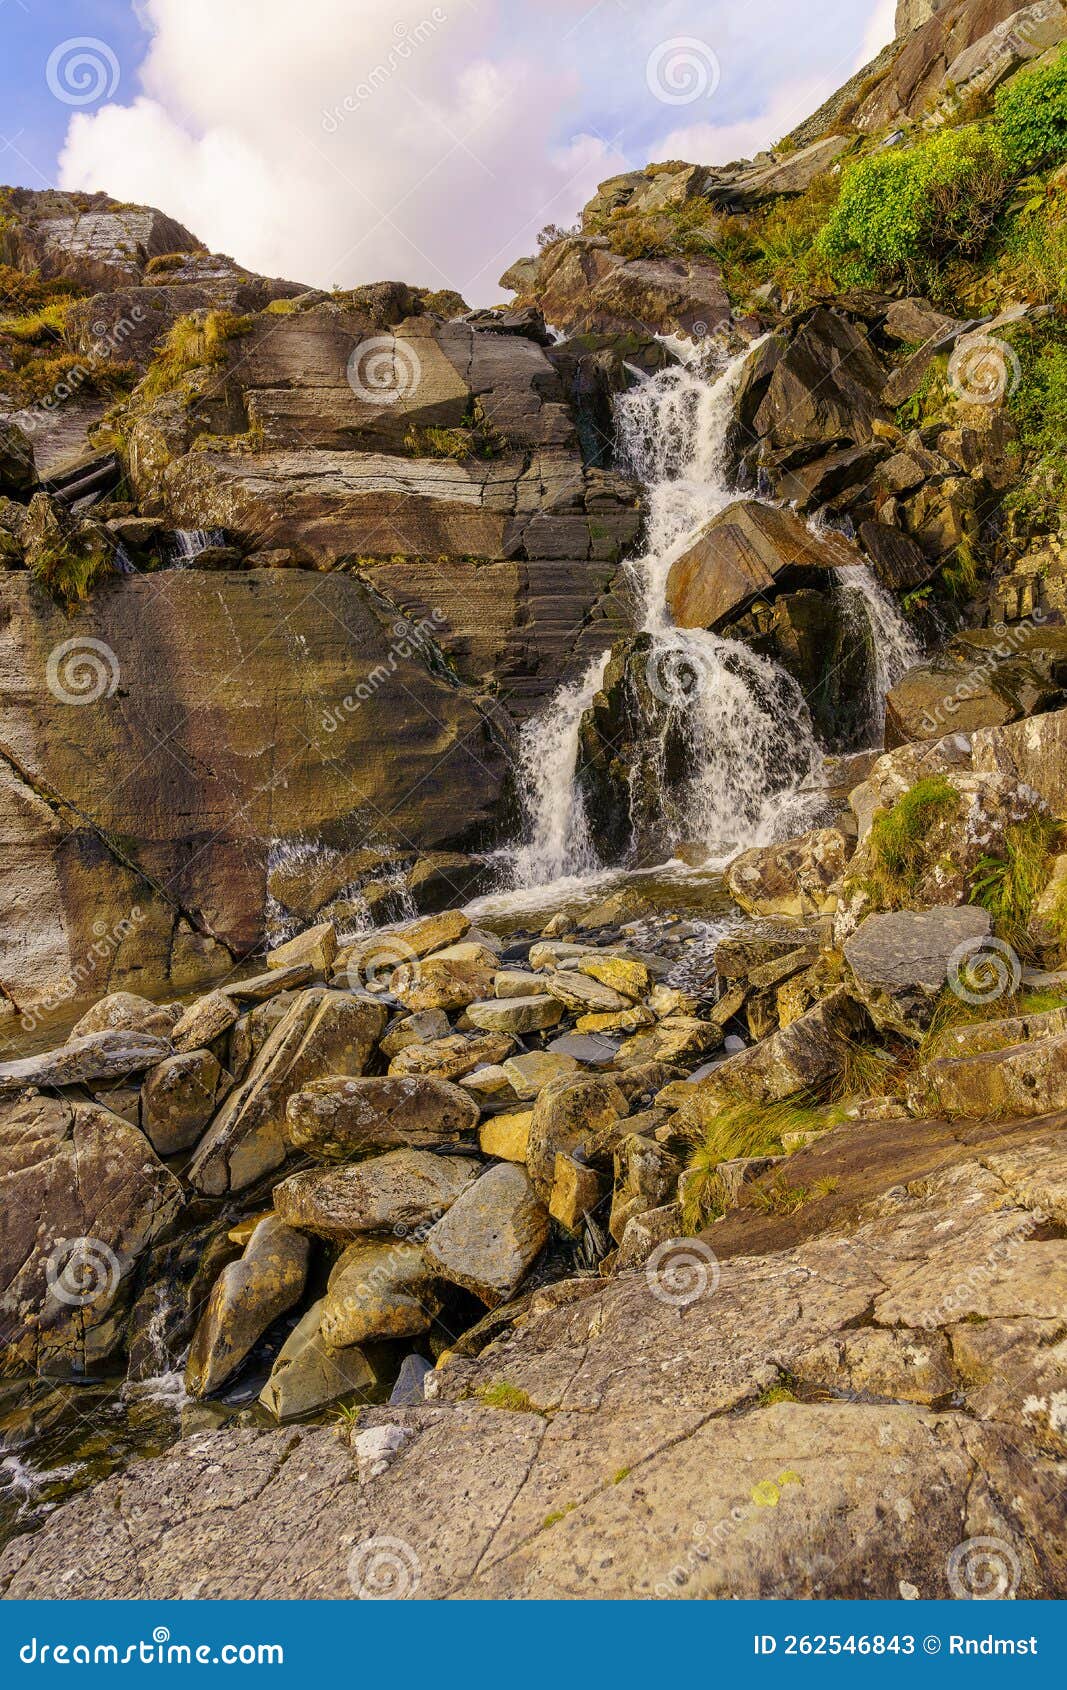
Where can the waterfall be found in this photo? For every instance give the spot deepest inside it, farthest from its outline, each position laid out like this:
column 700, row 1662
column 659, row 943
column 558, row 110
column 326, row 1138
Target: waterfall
column 874, row 617
column 558, row 842
column 190, row 542
column 736, row 721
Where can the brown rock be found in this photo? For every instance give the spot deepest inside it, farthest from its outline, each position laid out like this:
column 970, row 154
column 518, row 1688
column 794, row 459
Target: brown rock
column 337, row 1118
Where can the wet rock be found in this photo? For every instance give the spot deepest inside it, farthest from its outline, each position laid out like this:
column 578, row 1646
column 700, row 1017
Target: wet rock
column 378, row 1289
column 204, row 1021
column 793, row 880
column 491, row 1237
column 515, row 1015
column 451, row 1058
column 84, row 1199
column 572, row 1116
column 748, row 550
column 506, row 1137
column 109, row 1055
column 400, row 1191
column 825, row 387
column 452, row 978
column 126, row 1012
column 898, row 561
column 178, row 1099
column 248, row 1296
column 307, row 1376
column 900, row 962
column 323, row 1032
column 338, row 1118
column 315, row 949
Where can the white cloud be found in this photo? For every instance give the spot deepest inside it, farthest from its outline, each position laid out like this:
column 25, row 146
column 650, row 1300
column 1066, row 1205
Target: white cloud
column 340, row 143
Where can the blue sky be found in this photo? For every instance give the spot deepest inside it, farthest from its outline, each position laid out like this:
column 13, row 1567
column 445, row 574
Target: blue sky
column 339, row 142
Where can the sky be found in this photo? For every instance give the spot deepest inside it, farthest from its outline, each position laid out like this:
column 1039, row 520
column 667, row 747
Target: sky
column 336, row 142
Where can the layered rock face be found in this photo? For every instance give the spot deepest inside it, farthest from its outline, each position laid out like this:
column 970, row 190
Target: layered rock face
column 412, row 553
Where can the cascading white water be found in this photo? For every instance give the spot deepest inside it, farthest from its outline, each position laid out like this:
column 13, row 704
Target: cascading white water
column 558, row 841
column 893, row 648
column 190, row 542
column 750, row 751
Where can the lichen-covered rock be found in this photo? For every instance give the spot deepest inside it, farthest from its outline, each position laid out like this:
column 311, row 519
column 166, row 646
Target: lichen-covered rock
column 129, row 1013
column 111, row 1055
column 379, row 1288
column 204, row 1021
column 247, row 1297
column 402, row 1190
column 524, row 1014
column 451, row 1058
column 1021, row 1079
column 794, row 880
column 336, row 1118
column 573, row 1115
column 803, row 1057
column 178, row 1098
column 323, row 1032
column 1033, row 752
column 84, row 1197
column 315, row 948
column 449, row 979
column 491, row 1236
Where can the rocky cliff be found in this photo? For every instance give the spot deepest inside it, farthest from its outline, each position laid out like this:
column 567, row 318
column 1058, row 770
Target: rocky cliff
column 685, row 1234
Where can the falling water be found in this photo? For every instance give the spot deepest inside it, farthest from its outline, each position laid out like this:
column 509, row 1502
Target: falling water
column 892, row 647
column 750, row 752
column 190, row 542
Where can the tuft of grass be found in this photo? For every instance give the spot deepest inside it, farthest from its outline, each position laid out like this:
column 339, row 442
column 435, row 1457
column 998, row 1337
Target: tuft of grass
column 781, row 1392
column 623, row 1473
column 559, row 1514
column 867, row 1071
column 778, row 1197
column 509, row 1397
column 961, row 577
column 740, row 1130
column 195, row 342
column 1009, row 886
column 899, row 839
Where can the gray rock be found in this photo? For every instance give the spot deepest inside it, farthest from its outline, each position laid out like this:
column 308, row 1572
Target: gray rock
column 408, row 1390
column 900, row 961
column 491, row 1237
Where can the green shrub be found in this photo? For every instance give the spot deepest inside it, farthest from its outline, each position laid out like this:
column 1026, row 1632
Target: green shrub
column 1031, row 113
column 1009, row 886
column 902, row 212
column 1039, row 410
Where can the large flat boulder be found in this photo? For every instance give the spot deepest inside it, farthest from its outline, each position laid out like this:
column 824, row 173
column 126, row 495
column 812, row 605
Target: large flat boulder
column 901, row 961
column 748, row 550
column 335, row 1117
column 404, row 1189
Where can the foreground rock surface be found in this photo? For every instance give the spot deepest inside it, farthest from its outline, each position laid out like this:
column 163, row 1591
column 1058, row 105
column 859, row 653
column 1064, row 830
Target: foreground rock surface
column 644, row 1462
